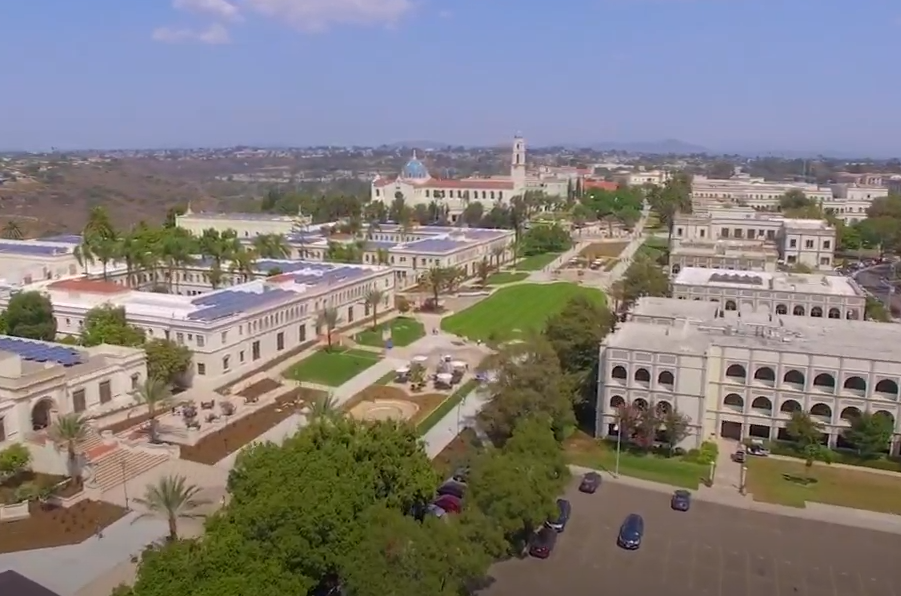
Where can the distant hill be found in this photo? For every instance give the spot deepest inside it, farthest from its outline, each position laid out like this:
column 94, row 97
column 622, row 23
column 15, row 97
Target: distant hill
column 419, row 145
column 661, row 147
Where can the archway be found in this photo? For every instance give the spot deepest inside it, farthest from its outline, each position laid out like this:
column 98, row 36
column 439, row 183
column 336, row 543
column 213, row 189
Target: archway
column 835, row 313
column 817, row 312
column 781, row 309
column 42, row 413
column 798, row 311
column 730, row 305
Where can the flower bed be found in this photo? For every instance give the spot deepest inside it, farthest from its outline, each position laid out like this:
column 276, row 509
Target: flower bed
column 49, row 526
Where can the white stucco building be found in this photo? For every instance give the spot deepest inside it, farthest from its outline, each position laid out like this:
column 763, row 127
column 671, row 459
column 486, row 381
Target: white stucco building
column 418, row 186
column 40, row 381
column 850, row 202
column 231, row 330
column 34, row 260
column 742, row 376
column 642, row 177
column 751, row 192
column 710, row 233
column 773, row 293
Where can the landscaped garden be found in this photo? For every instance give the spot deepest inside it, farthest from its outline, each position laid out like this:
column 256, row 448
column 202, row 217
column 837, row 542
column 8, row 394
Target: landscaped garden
column 505, row 277
column 404, row 331
column 50, row 525
column 583, row 450
column 509, row 312
column 536, row 262
column 234, row 435
column 332, row 368
column 436, row 414
column 791, row 483
column 600, row 250
column 425, row 403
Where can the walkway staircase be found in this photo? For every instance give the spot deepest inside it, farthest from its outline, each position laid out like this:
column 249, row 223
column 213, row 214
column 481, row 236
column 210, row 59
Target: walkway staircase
column 121, row 464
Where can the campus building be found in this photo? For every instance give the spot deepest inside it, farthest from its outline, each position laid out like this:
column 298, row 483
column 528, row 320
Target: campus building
column 777, row 293
column 850, row 202
column 741, row 376
column 40, row 381
column 708, row 236
column 418, row 187
column 231, row 330
column 743, row 190
column 26, row 261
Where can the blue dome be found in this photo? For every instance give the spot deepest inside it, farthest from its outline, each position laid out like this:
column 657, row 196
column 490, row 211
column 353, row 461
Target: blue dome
column 415, row 170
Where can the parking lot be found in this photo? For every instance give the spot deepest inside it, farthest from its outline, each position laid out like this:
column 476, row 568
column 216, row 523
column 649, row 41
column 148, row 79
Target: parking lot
column 711, row 550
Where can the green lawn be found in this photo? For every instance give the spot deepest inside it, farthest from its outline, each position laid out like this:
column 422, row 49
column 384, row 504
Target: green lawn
column 582, row 450
column 332, row 368
column 404, row 331
column 509, row 312
column 536, row 262
column 506, row 277
column 789, row 483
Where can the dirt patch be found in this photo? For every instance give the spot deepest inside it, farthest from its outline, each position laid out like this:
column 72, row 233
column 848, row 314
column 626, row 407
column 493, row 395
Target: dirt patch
column 225, row 441
column 124, row 425
column 57, row 526
column 425, row 403
column 600, row 250
column 458, row 453
column 260, row 388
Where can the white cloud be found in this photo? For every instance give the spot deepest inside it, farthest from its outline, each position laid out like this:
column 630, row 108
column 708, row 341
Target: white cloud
column 316, row 15
column 215, row 34
column 219, row 9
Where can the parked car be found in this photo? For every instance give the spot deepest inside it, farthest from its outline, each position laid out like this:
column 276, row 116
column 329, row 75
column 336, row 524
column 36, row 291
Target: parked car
column 739, row 456
column 449, row 503
column 558, row 522
column 681, row 500
column 590, row 483
column 453, row 488
column 435, row 510
column 631, row 532
column 543, row 542
column 758, row 450
column 461, row 474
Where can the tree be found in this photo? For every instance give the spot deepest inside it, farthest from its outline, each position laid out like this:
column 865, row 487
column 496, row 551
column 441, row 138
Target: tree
column 108, row 324
column 68, row 431
column 675, row 427
column 324, row 408
column 436, row 279
column 153, row 393
column 794, row 199
column 483, row 271
column 516, row 486
column 172, row 499
column 527, row 381
column 808, row 434
column 166, row 360
column 12, row 231
column 402, row 304
column 870, row 433
column 328, row 318
column 643, row 278
column 14, row 460
column 374, row 299
column 574, row 334
column 671, row 200
column 30, row 315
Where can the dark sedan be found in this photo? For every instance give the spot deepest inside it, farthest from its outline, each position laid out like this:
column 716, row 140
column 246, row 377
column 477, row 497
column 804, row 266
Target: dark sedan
column 631, row 532
column 590, row 483
column 543, row 542
column 681, row 500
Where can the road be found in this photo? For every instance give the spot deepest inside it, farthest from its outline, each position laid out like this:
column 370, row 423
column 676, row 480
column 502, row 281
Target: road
column 871, row 280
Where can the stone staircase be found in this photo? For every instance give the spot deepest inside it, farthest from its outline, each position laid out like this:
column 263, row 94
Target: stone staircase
column 121, row 464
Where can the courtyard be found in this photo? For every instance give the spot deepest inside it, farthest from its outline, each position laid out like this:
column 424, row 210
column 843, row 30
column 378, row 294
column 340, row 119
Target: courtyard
column 511, row 311
column 404, row 331
column 536, row 262
column 711, row 550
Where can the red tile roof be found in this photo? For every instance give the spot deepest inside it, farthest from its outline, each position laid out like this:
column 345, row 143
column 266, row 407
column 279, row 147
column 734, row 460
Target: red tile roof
column 88, row 286
column 588, row 183
column 464, row 184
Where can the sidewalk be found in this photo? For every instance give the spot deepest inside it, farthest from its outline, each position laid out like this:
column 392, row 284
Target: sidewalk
column 856, row 518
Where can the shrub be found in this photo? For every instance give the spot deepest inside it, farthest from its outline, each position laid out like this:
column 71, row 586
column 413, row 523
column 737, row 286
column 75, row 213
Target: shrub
column 14, row 460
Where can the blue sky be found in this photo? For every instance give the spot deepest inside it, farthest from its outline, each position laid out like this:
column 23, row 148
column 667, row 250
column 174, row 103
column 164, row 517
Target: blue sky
column 726, row 74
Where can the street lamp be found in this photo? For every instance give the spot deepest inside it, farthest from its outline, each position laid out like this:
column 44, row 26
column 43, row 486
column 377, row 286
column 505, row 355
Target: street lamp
column 742, row 479
column 124, row 481
column 617, row 428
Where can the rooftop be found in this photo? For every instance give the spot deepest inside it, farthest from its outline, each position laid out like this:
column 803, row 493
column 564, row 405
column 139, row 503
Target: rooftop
column 37, row 248
column 805, row 283
column 239, row 216
column 299, row 277
column 866, row 340
column 732, row 248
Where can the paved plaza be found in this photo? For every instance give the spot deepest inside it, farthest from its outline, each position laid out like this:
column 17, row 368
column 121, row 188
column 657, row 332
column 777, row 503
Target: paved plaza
column 712, row 550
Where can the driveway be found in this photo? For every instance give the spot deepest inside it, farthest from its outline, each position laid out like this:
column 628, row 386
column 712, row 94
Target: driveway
column 712, row 550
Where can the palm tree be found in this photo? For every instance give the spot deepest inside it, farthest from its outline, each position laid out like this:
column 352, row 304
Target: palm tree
column 382, row 256
column 325, row 408
column 99, row 224
column 11, row 231
column 218, row 247
column 173, row 499
column 271, row 246
column 176, row 249
column 244, row 263
column 483, row 270
column 106, row 249
column 498, row 253
column 69, row 430
column 329, row 319
column 155, row 394
column 133, row 250
column 373, row 299
column 436, row 279
column 84, row 254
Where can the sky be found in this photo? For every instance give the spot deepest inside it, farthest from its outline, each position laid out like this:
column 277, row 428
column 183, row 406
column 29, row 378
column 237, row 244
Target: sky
column 761, row 75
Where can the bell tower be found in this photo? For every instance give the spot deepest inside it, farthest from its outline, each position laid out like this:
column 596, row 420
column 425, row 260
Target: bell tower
column 518, row 162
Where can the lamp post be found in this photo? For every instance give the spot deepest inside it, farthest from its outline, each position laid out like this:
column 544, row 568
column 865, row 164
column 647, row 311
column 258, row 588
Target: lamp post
column 124, row 481
column 742, row 479
column 617, row 428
